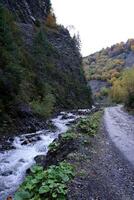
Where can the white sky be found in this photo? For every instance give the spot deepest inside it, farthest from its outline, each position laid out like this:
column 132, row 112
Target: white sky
column 101, row 23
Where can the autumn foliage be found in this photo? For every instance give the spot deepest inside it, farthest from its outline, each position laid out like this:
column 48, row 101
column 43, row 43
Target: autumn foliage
column 51, row 21
column 123, row 89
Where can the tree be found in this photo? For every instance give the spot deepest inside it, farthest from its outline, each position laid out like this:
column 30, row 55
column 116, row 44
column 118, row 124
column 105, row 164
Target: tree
column 51, row 20
column 128, row 85
column 123, row 89
column 9, row 57
column 48, row 2
column 117, row 92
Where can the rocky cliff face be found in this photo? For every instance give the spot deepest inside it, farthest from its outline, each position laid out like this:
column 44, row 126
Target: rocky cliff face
column 70, row 59
column 43, row 69
column 27, row 11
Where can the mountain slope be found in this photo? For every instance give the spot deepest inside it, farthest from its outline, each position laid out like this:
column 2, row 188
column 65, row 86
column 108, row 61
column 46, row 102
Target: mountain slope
column 40, row 67
column 27, row 11
column 104, row 67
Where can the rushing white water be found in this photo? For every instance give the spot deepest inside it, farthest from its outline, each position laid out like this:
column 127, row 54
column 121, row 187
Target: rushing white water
column 15, row 162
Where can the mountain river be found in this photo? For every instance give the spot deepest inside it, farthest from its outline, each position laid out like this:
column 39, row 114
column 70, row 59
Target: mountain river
column 15, row 162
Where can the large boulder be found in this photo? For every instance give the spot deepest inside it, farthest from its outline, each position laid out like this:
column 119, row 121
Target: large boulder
column 53, row 157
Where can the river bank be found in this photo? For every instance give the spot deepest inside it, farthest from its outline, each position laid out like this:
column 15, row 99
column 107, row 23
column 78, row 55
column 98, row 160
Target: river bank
column 24, row 148
column 59, row 150
column 101, row 170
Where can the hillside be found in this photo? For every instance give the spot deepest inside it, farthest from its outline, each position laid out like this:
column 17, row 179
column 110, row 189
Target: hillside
column 40, row 67
column 104, row 67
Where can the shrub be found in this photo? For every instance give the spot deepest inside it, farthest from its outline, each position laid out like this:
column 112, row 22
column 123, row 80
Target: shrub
column 97, row 96
column 128, row 86
column 90, row 125
column 116, row 92
column 132, row 47
column 104, row 91
column 51, row 20
column 69, row 135
column 46, row 185
column 123, row 89
column 45, row 106
column 53, row 146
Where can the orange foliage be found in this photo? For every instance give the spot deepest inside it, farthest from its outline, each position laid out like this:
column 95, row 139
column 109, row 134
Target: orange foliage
column 51, row 20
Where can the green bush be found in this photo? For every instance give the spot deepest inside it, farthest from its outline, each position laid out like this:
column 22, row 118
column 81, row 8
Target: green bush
column 104, row 91
column 69, row 135
column 123, row 89
column 44, row 107
column 90, row 125
column 46, row 185
column 53, row 146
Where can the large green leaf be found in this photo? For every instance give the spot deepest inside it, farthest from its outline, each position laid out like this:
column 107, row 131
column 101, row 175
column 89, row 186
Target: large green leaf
column 22, row 195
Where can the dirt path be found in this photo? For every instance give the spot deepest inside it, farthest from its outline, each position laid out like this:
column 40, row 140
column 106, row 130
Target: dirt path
column 120, row 127
column 103, row 173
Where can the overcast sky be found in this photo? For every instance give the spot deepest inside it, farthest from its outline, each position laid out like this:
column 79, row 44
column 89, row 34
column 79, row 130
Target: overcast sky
column 100, row 23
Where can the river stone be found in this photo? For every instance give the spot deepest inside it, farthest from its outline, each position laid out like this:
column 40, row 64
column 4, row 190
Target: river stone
column 7, row 173
column 66, row 116
column 60, row 154
column 65, row 147
column 25, row 142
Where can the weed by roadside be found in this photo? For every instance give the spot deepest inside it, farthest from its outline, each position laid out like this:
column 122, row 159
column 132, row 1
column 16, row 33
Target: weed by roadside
column 49, row 184
column 90, row 124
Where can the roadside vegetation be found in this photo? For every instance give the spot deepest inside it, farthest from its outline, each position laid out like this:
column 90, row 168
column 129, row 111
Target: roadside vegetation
column 46, row 184
column 53, row 182
column 90, row 124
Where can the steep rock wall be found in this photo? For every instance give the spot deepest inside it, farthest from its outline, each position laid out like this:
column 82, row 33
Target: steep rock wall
column 28, row 11
column 43, row 72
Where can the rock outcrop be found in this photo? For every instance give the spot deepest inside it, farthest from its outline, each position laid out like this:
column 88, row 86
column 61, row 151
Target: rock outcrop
column 27, row 11
column 46, row 74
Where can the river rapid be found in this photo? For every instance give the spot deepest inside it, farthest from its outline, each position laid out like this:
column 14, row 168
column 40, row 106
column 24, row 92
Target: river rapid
column 15, row 162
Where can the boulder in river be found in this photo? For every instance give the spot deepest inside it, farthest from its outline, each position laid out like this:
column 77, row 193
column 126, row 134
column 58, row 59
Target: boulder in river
column 53, row 157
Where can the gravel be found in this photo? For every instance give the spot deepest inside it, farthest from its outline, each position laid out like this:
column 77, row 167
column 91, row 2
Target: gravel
column 104, row 174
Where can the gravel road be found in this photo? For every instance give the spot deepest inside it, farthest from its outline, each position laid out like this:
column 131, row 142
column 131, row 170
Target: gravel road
column 120, row 127
column 108, row 171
